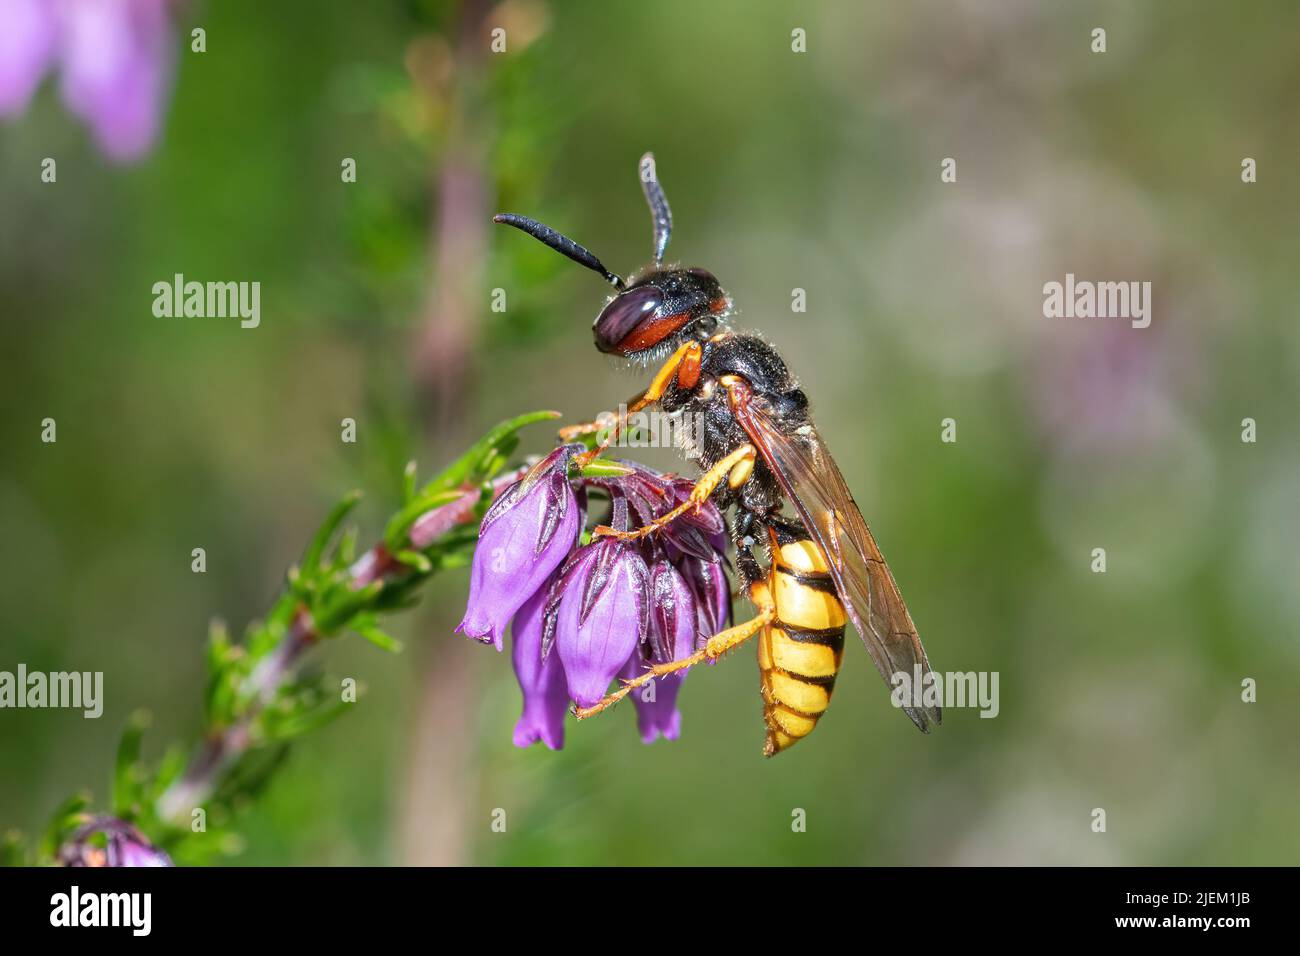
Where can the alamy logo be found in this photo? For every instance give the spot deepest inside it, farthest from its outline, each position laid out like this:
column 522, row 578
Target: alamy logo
column 650, row 429
column 208, row 300
column 948, row 690
column 75, row 689
column 103, row 909
column 1098, row 300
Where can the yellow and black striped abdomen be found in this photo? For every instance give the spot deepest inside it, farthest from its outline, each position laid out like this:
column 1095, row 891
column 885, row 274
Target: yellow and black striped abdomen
column 799, row 653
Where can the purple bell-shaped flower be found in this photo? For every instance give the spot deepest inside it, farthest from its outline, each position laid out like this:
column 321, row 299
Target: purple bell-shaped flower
column 603, row 612
column 672, row 638
column 524, row 537
column 546, row 694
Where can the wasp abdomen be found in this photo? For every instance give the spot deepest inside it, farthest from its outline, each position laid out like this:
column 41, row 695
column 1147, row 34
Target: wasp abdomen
column 800, row 652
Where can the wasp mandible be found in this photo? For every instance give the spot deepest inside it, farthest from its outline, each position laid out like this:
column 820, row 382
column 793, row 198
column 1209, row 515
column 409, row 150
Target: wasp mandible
column 758, row 450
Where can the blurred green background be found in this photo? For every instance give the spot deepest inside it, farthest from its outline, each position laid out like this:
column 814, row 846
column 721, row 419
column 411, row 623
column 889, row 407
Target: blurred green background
column 817, row 171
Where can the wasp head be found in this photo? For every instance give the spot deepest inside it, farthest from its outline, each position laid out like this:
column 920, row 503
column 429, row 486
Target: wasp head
column 658, row 309
column 662, row 307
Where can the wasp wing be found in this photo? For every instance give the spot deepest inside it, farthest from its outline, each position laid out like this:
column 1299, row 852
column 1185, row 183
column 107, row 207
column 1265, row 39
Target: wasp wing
column 812, row 482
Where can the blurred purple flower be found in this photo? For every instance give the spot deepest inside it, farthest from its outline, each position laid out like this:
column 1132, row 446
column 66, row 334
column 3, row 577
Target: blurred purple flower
column 27, row 43
column 117, row 63
column 1098, row 386
column 116, row 60
column 135, row 851
column 525, row 536
column 546, row 696
column 125, row 846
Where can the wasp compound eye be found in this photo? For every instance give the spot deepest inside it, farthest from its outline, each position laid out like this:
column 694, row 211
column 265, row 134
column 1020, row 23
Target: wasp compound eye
column 626, row 320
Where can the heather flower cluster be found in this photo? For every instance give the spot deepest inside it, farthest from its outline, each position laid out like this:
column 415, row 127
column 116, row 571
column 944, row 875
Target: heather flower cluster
column 583, row 614
column 123, row 846
column 114, row 58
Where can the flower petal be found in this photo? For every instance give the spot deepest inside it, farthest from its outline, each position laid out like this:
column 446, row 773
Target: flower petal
column 655, row 702
column 519, row 548
column 712, row 591
column 672, row 614
column 116, row 67
column 26, row 48
column 546, row 695
column 595, row 645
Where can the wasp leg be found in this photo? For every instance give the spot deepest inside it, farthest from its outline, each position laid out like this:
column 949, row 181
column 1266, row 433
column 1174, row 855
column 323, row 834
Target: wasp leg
column 570, row 432
column 688, row 354
column 716, row 646
column 611, row 425
column 736, row 468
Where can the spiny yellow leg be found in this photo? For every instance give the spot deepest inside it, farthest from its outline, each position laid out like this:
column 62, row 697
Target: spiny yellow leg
column 658, row 385
column 717, row 645
column 612, row 430
column 741, row 460
column 569, row 432
column 612, row 425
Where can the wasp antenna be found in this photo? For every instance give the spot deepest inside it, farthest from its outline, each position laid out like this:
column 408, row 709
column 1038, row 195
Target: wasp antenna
column 659, row 211
column 561, row 244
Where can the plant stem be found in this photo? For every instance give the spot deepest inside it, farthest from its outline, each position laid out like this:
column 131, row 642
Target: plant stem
column 227, row 744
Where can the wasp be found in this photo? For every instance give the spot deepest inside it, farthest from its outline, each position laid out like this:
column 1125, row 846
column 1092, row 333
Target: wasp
column 759, row 451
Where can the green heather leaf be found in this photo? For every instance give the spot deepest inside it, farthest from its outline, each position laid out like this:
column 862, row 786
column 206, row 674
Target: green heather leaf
column 250, row 773
column 474, row 466
column 170, row 769
column 347, row 550
column 312, row 556
column 126, row 772
column 304, row 722
column 400, row 523
column 218, row 645
column 408, row 482
column 603, row 468
column 496, row 460
column 13, row 851
column 223, row 682
column 365, row 625
column 342, row 609
column 414, row 559
column 262, row 637
column 69, row 815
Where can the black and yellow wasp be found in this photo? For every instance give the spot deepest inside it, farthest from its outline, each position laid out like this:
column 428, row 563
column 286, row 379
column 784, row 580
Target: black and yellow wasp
column 759, row 449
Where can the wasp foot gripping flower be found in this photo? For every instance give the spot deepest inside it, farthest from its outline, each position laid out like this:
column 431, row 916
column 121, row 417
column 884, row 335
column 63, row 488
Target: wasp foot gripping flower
column 524, row 537
column 584, row 615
